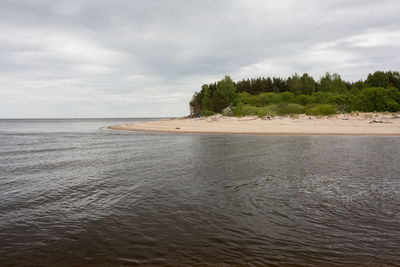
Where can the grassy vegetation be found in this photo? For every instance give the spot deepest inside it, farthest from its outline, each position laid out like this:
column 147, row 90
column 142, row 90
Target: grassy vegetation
column 322, row 110
column 300, row 95
column 288, row 109
column 206, row 113
column 246, row 110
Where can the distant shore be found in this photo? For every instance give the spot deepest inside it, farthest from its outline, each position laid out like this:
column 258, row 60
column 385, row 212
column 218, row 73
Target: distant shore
column 367, row 124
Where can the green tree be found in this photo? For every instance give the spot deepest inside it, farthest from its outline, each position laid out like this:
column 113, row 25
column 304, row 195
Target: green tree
column 394, row 78
column 225, row 94
column 378, row 79
column 307, row 84
column 244, row 86
column 269, row 85
column 279, row 85
column 332, row 83
column 218, row 102
column 379, row 99
column 206, row 98
column 195, row 104
column 269, row 94
column 294, row 84
column 357, row 87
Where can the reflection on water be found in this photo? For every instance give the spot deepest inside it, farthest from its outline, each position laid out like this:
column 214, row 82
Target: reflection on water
column 76, row 195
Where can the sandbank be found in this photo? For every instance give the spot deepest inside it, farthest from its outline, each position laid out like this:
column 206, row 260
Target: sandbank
column 368, row 124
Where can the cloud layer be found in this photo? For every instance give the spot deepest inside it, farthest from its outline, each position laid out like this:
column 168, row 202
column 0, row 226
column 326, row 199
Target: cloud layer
column 95, row 58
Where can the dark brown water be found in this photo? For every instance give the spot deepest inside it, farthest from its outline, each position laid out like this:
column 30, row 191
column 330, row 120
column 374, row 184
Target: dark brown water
column 74, row 194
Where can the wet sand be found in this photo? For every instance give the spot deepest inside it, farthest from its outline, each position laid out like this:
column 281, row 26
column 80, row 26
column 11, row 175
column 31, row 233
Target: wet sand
column 373, row 124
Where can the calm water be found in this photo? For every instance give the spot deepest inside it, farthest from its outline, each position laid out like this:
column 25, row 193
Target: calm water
column 74, row 194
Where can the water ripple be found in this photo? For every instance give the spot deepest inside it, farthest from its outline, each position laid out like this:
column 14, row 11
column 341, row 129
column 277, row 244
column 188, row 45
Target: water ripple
column 96, row 197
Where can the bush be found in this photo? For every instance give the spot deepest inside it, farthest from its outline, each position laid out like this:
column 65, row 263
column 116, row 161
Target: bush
column 379, row 99
column 245, row 110
column 284, row 109
column 337, row 99
column 287, row 97
column 272, row 108
column 320, row 97
column 344, row 108
column 206, row 113
column 304, row 99
column 269, row 98
column 247, row 99
column 322, row 110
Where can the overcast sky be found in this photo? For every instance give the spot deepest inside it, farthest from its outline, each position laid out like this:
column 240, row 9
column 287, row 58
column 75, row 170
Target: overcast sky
column 97, row 58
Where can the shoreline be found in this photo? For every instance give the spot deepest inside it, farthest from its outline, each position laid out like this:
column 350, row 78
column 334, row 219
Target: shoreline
column 363, row 124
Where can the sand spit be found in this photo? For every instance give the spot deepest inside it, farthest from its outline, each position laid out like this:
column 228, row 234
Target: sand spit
column 373, row 124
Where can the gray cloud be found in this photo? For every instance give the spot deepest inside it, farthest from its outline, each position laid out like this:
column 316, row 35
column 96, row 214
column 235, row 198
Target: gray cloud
column 146, row 58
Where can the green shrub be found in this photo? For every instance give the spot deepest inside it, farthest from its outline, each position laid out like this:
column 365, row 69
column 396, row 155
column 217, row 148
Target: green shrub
column 246, row 98
column 261, row 112
column 291, row 108
column 344, row 108
column 246, row 110
column 337, row 100
column 378, row 99
column 206, row 113
column 269, row 98
column 320, row 97
column 275, row 98
column 264, row 98
column 321, row 110
column 305, row 99
column 287, row 97
column 272, row 108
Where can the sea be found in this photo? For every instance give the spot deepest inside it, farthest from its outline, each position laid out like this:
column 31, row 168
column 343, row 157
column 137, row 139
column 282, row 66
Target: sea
column 73, row 193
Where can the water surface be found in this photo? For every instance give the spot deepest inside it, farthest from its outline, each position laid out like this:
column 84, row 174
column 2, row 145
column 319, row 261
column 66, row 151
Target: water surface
column 72, row 193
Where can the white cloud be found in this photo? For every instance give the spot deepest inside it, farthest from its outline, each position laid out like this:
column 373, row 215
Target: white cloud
column 376, row 38
column 137, row 58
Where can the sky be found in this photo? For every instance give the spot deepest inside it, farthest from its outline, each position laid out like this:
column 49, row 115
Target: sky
column 97, row 58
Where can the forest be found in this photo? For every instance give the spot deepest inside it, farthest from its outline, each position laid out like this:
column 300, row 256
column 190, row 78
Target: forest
column 329, row 95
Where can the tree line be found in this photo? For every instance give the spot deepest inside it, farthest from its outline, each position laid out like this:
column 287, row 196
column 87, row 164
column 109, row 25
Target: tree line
column 298, row 94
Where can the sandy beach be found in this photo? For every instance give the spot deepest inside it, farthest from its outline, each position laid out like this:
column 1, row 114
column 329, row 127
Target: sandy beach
column 374, row 124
